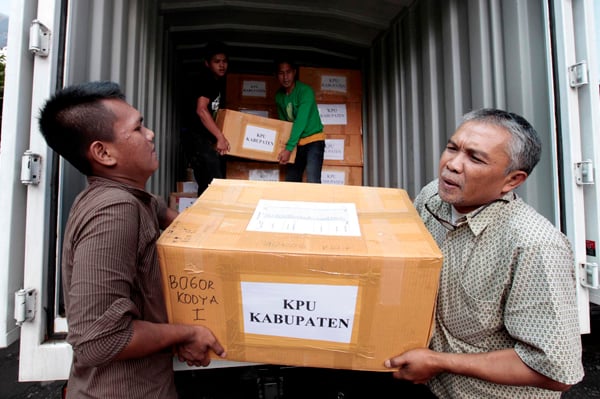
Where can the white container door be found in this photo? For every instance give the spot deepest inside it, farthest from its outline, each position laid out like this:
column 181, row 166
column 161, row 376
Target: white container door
column 31, row 242
column 578, row 103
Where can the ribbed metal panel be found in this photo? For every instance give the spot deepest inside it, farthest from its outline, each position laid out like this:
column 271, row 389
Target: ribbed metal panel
column 437, row 61
column 122, row 41
column 442, row 59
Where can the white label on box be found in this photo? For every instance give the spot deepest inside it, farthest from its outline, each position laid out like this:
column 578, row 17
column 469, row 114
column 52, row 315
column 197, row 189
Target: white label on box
column 334, row 83
column 254, row 88
column 298, row 217
column 185, row 202
column 259, row 139
column 263, row 174
column 189, row 187
column 333, row 177
column 334, row 149
column 306, row 311
column 257, row 112
column 333, row 114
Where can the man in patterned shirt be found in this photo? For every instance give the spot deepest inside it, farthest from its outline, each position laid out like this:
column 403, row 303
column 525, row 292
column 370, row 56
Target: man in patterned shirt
column 506, row 322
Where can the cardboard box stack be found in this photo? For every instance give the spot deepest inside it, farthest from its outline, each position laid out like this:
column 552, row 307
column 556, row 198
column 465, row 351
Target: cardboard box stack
column 185, row 193
column 254, row 170
column 252, row 94
column 339, row 98
column 310, row 277
column 180, row 201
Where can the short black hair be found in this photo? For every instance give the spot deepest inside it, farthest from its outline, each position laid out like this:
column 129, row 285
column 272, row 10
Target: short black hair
column 284, row 60
column 213, row 48
column 74, row 117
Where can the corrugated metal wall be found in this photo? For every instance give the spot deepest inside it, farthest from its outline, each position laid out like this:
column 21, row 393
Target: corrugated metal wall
column 441, row 59
column 123, row 41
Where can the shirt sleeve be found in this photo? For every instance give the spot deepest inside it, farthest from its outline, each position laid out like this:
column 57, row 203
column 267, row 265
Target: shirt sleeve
column 104, row 268
column 161, row 209
column 305, row 102
column 541, row 311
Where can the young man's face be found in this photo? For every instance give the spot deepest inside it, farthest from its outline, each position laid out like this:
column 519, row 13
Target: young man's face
column 472, row 169
column 217, row 65
column 286, row 76
column 132, row 145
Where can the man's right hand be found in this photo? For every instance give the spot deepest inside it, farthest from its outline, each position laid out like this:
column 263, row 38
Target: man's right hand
column 195, row 352
column 222, row 145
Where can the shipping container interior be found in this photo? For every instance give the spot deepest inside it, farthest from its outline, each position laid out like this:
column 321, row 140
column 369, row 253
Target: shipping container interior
column 423, row 64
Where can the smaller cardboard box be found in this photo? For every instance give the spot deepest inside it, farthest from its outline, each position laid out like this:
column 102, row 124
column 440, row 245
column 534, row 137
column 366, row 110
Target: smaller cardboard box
column 302, row 274
column 182, row 200
column 254, row 137
column 333, row 85
column 251, row 89
column 343, row 150
column 341, row 118
column 187, row 187
column 254, row 170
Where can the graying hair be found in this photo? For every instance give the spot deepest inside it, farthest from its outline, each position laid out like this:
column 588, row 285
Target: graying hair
column 525, row 146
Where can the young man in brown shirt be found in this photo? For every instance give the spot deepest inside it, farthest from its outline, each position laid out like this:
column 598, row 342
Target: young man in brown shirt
column 123, row 345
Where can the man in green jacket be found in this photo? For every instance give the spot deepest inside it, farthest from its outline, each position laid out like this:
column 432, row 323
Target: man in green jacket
column 296, row 103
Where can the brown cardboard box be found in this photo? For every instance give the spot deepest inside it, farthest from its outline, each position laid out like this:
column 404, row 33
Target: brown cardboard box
column 333, row 85
column 181, row 201
column 302, row 274
column 255, row 170
column 254, row 137
column 264, row 110
column 341, row 118
column 343, row 150
column 342, row 175
column 187, row 187
column 251, row 89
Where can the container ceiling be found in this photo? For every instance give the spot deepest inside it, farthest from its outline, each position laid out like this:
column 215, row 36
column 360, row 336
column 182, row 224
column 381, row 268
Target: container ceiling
column 335, row 33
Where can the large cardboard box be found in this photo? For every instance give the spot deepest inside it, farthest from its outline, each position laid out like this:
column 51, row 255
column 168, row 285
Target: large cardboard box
column 251, row 89
column 343, row 150
column 342, row 175
column 303, row 274
column 255, row 170
column 341, row 118
column 254, row 137
column 333, row 85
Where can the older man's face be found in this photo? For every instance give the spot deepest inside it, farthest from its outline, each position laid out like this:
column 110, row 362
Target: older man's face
column 473, row 166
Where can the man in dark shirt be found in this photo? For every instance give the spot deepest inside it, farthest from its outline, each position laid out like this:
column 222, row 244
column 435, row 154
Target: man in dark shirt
column 122, row 343
column 204, row 142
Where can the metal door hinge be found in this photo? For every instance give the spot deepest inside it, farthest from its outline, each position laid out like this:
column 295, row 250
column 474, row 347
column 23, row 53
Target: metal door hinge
column 584, row 172
column 578, row 74
column 39, row 39
column 25, row 305
column 590, row 276
column 30, row 168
